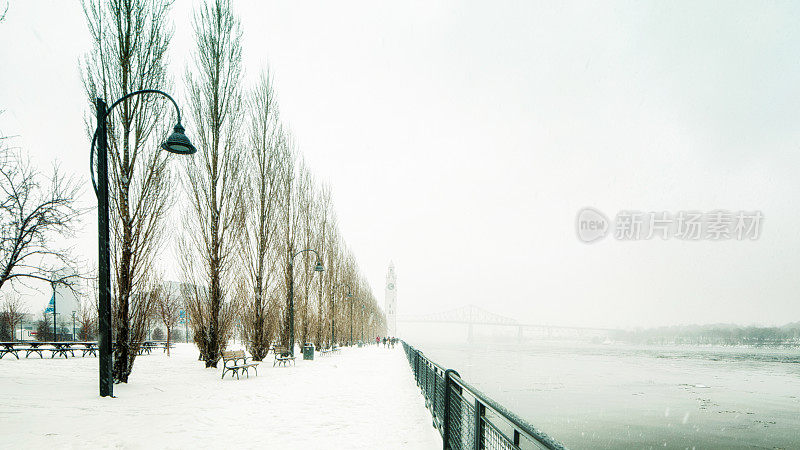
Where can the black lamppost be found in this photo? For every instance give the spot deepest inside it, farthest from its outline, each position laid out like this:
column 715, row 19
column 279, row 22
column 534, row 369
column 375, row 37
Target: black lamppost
column 317, row 268
column 350, row 344
column 73, row 325
column 53, row 284
column 176, row 143
column 55, row 333
column 333, row 312
column 362, row 323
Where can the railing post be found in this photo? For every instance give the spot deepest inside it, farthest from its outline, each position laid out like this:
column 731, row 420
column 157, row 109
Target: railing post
column 479, row 412
column 433, row 404
column 446, row 427
column 428, row 387
column 427, row 382
column 416, row 366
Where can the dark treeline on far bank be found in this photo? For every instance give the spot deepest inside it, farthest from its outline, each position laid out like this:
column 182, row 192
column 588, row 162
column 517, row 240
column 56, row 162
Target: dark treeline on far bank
column 715, row 334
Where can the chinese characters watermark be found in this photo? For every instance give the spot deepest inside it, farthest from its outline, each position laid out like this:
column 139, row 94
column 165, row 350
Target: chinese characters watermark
column 717, row 225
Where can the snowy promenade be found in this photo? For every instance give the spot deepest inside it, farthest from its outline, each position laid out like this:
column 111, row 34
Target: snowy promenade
column 362, row 398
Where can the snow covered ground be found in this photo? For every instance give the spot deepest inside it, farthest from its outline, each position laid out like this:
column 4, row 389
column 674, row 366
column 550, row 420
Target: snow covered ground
column 362, row 398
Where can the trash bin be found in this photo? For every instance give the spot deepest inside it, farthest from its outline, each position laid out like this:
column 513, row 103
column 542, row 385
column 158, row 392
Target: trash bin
column 308, row 351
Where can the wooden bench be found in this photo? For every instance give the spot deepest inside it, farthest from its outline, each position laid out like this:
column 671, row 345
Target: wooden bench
column 282, row 356
column 229, row 363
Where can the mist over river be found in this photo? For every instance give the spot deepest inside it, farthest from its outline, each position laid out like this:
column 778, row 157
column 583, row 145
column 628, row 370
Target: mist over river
column 607, row 396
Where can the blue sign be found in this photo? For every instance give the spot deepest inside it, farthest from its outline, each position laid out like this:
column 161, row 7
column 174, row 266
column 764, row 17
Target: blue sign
column 52, row 306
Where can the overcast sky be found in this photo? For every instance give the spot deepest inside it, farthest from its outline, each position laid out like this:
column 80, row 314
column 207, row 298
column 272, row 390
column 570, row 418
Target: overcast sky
column 462, row 138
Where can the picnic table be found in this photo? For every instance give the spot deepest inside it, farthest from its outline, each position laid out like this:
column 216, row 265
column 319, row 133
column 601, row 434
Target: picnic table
column 68, row 348
column 149, row 346
column 8, row 347
column 54, row 347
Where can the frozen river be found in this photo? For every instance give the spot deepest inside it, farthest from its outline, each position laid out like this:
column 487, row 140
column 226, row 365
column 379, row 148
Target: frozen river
column 615, row 396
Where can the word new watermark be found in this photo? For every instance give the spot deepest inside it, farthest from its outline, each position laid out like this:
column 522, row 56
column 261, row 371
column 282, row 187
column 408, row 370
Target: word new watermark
column 718, row 225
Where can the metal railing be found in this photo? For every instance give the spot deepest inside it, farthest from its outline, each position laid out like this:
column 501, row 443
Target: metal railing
column 466, row 417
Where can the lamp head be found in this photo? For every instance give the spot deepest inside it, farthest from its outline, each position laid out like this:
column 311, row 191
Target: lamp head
column 178, row 143
column 318, row 267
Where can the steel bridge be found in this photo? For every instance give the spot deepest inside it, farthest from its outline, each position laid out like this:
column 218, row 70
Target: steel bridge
column 472, row 315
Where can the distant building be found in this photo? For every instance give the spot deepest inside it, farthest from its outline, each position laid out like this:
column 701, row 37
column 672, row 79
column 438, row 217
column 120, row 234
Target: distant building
column 391, row 301
column 64, row 303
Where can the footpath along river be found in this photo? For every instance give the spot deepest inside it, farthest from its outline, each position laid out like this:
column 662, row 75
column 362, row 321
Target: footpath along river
column 597, row 396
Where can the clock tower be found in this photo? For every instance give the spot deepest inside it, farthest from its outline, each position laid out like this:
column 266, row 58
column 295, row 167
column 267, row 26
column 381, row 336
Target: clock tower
column 391, row 301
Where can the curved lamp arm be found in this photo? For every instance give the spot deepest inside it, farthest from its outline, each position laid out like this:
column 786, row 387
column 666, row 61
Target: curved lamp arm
column 317, row 268
column 146, row 91
column 177, row 136
column 303, row 251
column 349, row 288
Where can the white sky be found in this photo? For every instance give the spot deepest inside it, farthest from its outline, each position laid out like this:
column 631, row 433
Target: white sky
column 461, row 139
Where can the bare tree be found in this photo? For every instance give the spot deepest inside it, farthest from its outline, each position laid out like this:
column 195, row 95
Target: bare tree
column 350, row 278
column 332, row 276
column 87, row 318
column 13, row 310
column 167, row 309
column 130, row 40
column 215, row 217
column 289, row 222
column 44, row 329
column 33, row 211
column 323, row 225
column 262, row 171
column 304, row 310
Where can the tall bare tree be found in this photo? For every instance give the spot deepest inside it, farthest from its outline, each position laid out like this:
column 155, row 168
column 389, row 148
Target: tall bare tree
column 262, row 187
column 215, row 217
column 130, row 39
column 304, row 298
column 350, row 277
column 289, row 221
column 322, row 223
column 332, row 277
